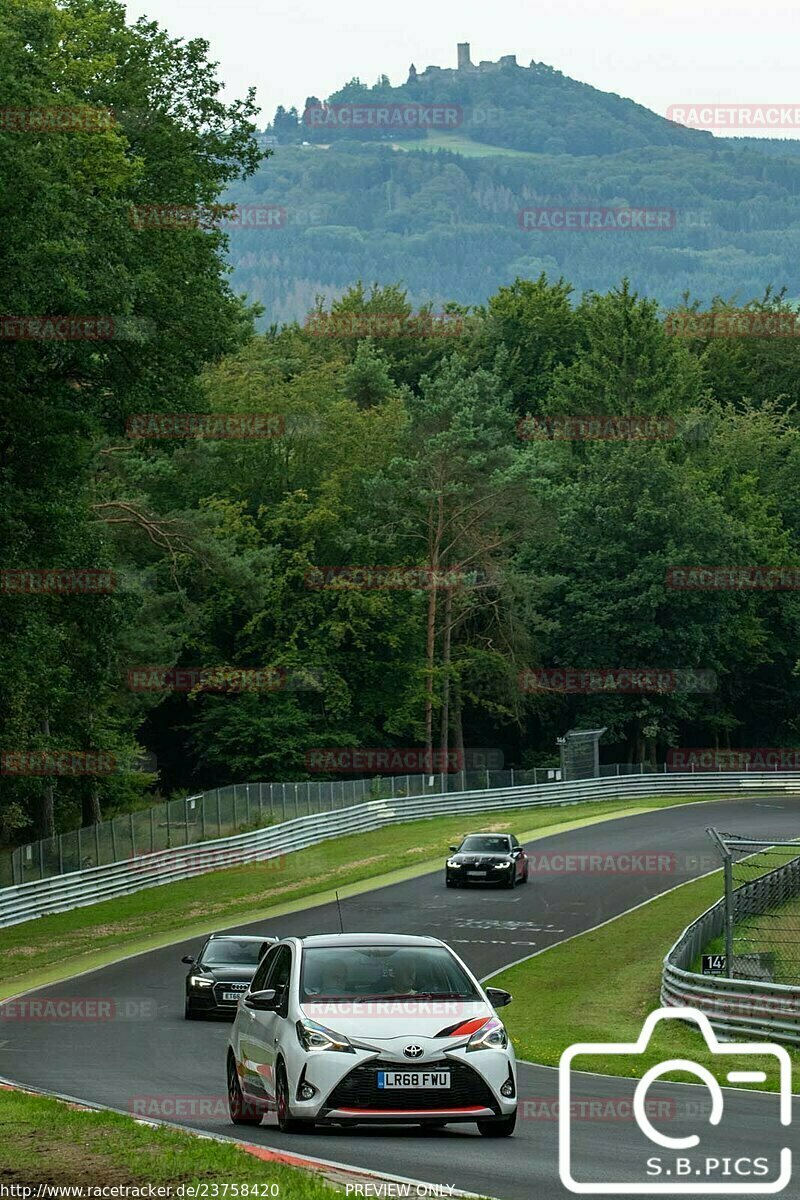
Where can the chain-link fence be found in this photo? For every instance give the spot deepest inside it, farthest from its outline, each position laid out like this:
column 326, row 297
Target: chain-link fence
column 243, row 806
column 762, row 908
column 236, row 808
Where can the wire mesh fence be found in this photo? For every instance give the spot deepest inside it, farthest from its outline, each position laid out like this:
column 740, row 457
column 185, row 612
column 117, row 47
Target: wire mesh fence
column 240, row 807
column 762, row 908
column 236, row 808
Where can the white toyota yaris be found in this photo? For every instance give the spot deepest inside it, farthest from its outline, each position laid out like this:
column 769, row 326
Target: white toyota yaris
column 356, row 1028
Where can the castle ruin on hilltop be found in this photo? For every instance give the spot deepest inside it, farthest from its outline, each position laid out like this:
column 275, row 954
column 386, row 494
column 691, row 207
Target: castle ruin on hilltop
column 465, row 65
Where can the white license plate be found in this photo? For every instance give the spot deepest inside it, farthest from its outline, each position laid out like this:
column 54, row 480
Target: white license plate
column 413, row 1079
column 232, row 995
column 477, row 874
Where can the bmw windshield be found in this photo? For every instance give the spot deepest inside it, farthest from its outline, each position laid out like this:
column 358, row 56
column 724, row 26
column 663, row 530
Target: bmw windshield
column 479, row 844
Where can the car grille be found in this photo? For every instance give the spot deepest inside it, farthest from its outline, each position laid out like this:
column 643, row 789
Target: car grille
column 238, row 987
column 360, row 1088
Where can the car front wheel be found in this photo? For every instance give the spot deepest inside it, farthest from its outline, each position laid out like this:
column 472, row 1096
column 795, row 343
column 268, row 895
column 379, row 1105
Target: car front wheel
column 286, row 1123
column 498, row 1126
column 241, row 1111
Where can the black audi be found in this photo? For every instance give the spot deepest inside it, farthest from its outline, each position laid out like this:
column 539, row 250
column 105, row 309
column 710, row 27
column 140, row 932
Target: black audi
column 487, row 858
column 221, row 973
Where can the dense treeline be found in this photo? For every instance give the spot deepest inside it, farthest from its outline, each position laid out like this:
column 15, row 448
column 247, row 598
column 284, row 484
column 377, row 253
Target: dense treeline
column 442, row 213
column 393, row 441
column 448, row 225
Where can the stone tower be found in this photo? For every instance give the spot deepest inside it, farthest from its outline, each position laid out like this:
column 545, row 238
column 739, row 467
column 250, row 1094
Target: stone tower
column 463, row 56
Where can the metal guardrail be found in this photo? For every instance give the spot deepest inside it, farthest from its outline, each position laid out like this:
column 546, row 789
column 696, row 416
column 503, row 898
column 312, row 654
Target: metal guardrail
column 243, row 807
column 736, row 1008
column 61, row 893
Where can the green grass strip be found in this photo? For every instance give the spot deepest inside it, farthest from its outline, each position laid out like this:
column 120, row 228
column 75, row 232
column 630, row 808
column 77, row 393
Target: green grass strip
column 45, row 1141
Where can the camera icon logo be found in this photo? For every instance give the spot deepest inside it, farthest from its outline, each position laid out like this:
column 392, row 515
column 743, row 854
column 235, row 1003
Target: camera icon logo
column 678, row 1172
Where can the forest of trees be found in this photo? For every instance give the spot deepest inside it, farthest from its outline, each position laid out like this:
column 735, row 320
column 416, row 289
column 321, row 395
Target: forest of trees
column 395, row 440
column 440, row 212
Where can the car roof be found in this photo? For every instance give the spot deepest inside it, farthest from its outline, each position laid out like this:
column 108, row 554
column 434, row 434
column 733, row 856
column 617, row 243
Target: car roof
column 367, row 939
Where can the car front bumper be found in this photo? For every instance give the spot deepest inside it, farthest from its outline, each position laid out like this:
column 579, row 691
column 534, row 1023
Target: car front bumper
column 473, row 876
column 349, row 1092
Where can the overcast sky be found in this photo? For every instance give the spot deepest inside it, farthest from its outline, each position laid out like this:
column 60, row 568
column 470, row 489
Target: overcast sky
column 657, row 52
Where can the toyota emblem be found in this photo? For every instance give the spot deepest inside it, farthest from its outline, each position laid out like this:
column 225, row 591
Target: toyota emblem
column 413, row 1051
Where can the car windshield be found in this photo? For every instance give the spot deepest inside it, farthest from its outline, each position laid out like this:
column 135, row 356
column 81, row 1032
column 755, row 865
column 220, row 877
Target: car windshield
column 234, row 951
column 377, row 972
column 484, row 843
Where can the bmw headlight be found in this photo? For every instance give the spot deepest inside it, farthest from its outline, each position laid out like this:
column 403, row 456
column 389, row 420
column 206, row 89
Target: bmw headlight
column 313, row 1036
column 453, row 863
column 200, row 981
column 491, row 1036
column 503, row 866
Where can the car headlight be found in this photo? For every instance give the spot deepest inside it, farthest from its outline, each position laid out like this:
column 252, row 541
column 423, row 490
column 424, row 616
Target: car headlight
column 491, row 1036
column 313, row 1036
column 200, row 981
column 453, row 863
column 503, row 866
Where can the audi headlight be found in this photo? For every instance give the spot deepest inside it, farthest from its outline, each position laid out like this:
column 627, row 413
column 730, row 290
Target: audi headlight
column 491, row 1036
column 453, row 863
column 313, row 1036
column 200, row 981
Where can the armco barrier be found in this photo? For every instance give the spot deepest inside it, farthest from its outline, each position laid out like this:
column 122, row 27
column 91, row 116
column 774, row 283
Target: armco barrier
column 737, row 1008
column 63, row 892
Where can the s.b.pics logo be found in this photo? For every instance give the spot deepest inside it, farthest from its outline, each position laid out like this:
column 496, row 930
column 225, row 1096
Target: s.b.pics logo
column 730, row 1144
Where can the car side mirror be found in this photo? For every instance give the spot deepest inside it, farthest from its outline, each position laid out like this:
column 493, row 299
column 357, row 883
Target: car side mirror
column 454, row 848
column 498, row 997
column 267, row 1001
column 188, row 959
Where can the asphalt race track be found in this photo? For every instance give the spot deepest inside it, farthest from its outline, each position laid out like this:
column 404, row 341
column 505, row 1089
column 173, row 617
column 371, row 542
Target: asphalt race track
column 133, row 1064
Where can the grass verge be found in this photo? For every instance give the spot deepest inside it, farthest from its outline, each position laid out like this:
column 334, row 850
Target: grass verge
column 601, row 985
column 52, row 948
column 45, row 1141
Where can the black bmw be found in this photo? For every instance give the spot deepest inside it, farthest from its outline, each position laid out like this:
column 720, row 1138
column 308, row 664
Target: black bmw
column 487, row 858
column 221, row 972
